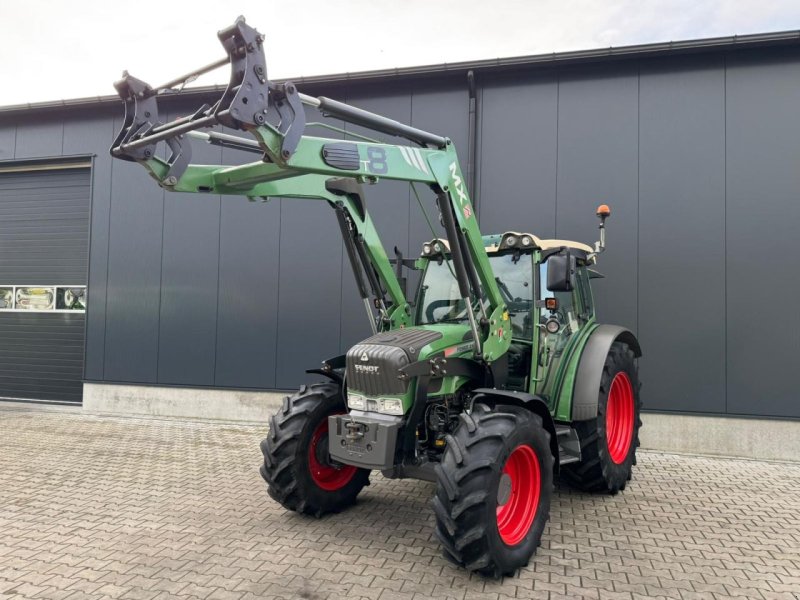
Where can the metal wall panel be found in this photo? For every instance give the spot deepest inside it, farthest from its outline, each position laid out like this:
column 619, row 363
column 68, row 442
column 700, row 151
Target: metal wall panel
column 247, row 307
column 518, row 152
column 597, row 163
column 763, row 214
column 134, row 275
column 190, row 269
column 309, row 302
column 682, row 236
column 247, row 322
column 8, row 140
column 39, row 137
column 189, row 282
column 89, row 133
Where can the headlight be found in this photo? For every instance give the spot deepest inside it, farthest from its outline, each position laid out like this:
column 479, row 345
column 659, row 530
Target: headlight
column 511, row 240
column 356, row 401
column 426, row 249
column 391, row 406
column 552, row 325
column 526, row 241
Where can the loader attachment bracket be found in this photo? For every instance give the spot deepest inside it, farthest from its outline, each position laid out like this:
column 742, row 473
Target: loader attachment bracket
column 141, row 115
column 179, row 158
column 293, row 117
column 243, row 105
column 245, row 101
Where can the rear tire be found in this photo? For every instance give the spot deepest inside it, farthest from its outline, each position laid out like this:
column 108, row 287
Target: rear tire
column 297, row 465
column 609, row 442
column 493, row 491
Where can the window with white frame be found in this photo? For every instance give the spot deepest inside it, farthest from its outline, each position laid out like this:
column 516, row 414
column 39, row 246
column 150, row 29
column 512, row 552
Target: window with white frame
column 43, row 298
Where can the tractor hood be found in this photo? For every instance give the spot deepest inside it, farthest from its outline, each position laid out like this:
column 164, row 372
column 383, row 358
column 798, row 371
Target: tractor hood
column 373, row 365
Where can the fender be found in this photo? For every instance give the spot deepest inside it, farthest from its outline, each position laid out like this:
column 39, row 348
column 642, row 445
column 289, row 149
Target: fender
column 590, row 367
column 535, row 404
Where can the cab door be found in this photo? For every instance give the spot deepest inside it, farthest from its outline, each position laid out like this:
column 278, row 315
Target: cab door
column 560, row 317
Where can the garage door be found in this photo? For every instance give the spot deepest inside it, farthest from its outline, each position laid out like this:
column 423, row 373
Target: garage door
column 44, row 246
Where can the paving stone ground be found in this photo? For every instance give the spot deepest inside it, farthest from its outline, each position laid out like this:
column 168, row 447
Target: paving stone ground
column 100, row 507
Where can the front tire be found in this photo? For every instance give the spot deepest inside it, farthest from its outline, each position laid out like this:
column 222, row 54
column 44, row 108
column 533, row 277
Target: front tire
column 609, row 442
column 493, row 491
column 297, row 465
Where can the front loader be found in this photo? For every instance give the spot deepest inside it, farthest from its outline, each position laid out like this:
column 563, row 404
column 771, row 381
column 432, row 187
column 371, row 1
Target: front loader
column 491, row 379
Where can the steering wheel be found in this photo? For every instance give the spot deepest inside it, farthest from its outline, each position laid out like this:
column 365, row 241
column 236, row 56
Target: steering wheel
column 437, row 304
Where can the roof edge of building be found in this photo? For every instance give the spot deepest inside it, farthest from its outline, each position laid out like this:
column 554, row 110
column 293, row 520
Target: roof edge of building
column 610, row 54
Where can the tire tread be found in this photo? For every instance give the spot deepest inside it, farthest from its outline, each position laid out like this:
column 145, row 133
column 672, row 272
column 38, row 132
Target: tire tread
column 595, row 472
column 282, row 465
column 463, row 497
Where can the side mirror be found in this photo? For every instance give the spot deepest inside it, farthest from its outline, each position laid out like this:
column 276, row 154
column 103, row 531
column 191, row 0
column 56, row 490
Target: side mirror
column 561, row 272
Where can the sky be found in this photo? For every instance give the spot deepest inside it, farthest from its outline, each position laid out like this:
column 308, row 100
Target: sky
column 52, row 50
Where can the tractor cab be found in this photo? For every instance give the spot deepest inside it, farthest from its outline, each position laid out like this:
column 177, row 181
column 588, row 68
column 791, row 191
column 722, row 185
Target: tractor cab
column 546, row 307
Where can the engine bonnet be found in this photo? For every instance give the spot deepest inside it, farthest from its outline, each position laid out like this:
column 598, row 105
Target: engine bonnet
column 373, row 365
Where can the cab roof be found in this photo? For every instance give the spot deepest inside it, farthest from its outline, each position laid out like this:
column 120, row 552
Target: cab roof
column 493, row 242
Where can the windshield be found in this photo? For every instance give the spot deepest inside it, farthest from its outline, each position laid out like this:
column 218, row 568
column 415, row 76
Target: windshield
column 440, row 300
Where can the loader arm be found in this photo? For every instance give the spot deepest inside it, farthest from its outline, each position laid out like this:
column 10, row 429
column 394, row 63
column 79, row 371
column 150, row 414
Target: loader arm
column 295, row 165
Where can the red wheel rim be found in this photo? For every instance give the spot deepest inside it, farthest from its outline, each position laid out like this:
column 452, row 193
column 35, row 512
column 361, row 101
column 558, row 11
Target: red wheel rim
column 619, row 417
column 515, row 515
column 325, row 476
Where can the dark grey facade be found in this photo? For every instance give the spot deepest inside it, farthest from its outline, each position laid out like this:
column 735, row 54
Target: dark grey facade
column 697, row 152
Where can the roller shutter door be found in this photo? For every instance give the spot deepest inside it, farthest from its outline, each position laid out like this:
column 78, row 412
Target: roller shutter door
column 44, row 242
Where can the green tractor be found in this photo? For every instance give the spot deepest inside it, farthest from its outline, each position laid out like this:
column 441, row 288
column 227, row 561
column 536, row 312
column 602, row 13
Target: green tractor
column 490, row 380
